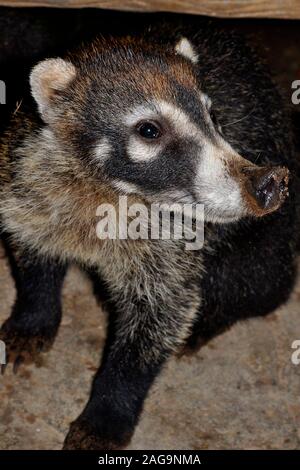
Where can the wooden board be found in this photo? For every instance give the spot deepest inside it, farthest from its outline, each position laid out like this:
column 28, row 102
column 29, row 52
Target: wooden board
column 222, row 8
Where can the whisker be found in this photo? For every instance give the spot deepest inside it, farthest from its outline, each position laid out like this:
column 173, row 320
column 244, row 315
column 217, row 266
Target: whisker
column 259, row 154
column 239, row 120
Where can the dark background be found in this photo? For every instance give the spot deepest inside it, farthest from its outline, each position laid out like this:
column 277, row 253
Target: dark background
column 28, row 35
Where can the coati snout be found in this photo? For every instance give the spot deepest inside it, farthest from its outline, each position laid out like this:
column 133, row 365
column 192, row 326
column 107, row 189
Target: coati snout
column 268, row 186
column 139, row 120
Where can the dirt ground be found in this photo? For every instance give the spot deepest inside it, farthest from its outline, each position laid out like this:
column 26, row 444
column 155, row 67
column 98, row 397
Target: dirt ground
column 239, row 391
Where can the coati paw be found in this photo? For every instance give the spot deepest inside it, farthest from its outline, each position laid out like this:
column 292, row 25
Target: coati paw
column 21, row 348
column 82, row 437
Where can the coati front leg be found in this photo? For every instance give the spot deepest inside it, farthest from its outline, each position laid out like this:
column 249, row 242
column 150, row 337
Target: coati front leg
column 149, row 321
column 35, row 318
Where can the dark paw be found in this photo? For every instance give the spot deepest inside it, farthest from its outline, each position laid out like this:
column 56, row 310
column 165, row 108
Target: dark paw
column 82, row 437
column 21, row 348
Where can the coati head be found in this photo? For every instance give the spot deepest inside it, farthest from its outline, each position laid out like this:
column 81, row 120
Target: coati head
column 135, row 115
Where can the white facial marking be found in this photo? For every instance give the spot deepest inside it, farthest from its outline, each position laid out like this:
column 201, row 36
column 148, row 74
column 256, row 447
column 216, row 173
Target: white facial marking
column 179, row 120
column 124, row 187
column 185, row 48
column 214, row 186
column 102, row 150
column 205, row 100
column 140, row 151
column 139, row 113
column 161, row 109
column 219, row 191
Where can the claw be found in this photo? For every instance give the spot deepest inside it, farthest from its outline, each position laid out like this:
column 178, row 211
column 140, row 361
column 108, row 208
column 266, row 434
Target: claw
column 19, row 360
column 21, row 348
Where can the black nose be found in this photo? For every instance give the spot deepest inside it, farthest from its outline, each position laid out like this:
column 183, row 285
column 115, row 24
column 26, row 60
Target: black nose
column 269, row 185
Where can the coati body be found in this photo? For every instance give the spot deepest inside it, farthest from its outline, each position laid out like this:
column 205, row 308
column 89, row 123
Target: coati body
column 169, row 117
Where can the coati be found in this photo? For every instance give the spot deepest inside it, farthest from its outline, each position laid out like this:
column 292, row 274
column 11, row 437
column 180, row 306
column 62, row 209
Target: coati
column 174, row 115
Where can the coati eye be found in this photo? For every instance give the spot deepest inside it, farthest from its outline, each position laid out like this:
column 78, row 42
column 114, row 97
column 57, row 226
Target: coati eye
column 149, row 130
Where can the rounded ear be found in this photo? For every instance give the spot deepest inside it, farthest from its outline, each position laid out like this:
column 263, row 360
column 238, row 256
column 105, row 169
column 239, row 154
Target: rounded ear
column 46, row 79
column 185, row 48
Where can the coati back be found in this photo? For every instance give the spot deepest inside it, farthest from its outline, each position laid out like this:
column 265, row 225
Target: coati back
column 151, row 120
